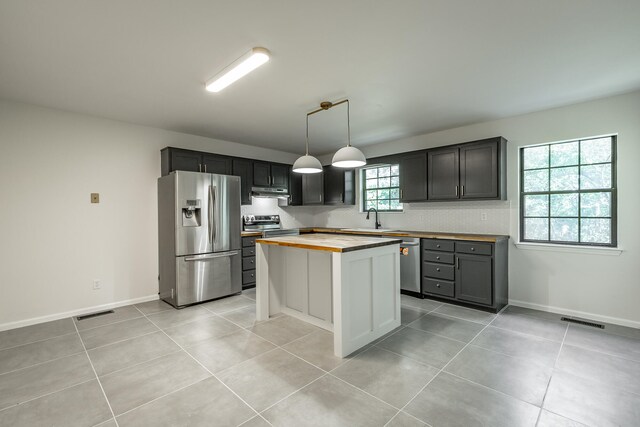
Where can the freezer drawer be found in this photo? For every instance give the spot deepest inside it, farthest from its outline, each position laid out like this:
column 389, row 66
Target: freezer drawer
column 204, row 277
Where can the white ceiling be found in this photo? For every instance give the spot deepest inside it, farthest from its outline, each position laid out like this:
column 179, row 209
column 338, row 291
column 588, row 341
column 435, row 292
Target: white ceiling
column 408, row 67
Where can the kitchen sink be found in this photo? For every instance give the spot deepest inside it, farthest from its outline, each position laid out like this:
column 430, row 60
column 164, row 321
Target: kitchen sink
column 370, row 230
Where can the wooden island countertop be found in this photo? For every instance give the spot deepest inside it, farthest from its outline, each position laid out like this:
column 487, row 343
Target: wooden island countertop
column 329, row 242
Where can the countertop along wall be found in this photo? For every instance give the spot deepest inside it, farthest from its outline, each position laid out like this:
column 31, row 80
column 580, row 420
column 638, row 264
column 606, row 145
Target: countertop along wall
column 582, row 282
column 54, row 242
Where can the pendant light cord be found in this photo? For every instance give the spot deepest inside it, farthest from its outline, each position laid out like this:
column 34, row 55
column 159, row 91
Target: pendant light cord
column 348, row 125
column 307, row 152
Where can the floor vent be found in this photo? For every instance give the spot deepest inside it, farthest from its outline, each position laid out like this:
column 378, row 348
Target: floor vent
column 583, row 322
column 89, row 316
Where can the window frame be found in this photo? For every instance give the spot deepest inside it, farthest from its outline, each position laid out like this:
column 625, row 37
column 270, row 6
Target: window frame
column 363, row 187
column 612, row 190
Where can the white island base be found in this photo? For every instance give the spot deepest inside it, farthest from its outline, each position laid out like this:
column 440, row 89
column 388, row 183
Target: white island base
column 355, row 293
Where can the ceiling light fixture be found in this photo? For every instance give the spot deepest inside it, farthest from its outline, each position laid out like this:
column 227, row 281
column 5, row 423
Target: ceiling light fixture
column 307, row 163
column 238, row 69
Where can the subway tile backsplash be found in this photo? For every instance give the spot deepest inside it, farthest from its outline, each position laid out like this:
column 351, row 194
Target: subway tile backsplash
column 462, row 217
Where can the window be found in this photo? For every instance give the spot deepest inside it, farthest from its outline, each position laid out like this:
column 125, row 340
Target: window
column 568, row 193
column 381, row 188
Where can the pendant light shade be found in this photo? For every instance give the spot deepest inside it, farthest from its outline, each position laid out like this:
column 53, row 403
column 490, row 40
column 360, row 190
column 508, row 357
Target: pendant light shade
column 307, row 164
column 348, row 157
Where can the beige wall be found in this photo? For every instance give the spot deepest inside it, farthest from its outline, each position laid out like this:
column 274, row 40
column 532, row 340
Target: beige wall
column 54, row 242
column 587, row 283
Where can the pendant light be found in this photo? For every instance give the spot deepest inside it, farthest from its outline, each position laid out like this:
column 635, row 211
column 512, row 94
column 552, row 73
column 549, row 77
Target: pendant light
column 307, row 163
column 349, row 156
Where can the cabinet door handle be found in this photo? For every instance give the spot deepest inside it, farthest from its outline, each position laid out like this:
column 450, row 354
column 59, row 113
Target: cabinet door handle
column 205, row 168
column 401, row 193
column 199, row 167
column 458, row 263
column 456, row 191
column 462, row 193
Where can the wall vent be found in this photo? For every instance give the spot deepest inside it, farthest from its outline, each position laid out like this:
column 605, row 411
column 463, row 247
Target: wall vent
column 89, row 316
column 583, row 322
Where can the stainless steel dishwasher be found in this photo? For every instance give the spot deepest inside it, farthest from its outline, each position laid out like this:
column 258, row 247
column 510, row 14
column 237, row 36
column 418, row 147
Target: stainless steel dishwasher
column 410, row 265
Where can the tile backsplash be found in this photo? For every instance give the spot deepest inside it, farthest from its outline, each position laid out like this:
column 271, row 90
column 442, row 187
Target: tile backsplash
column 491, row 217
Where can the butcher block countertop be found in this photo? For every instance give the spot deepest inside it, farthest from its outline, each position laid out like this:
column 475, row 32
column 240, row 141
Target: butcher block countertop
column 417, row 234
column 329, row 242
column 251, row 233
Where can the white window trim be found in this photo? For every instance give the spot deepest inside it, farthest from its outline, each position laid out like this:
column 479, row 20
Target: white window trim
column 554, row 247
column 360, row 200
column 558, row 247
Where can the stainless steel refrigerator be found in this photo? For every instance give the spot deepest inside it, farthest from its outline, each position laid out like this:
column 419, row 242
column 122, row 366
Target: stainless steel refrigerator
column 199, row 226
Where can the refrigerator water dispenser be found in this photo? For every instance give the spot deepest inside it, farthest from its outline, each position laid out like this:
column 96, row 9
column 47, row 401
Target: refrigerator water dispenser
column 191, row 213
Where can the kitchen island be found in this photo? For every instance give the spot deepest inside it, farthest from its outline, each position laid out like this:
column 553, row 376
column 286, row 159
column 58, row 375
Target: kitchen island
column 349, row 285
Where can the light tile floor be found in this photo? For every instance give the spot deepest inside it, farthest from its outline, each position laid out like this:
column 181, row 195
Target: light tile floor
column 214, row 365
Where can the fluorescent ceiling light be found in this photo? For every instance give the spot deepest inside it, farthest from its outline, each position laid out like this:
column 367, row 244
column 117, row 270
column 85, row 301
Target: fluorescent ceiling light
column 238, row 69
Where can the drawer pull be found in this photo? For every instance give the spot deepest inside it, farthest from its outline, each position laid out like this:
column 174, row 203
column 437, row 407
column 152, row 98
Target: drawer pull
column 438, row 258
column 438, row 269
column 473, row 249
column 251, row 261
column 437, row 285
column 437, row 246
column 252, row 275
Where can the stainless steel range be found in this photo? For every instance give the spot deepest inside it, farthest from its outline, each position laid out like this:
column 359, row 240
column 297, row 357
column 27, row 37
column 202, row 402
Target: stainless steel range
column 268, row 225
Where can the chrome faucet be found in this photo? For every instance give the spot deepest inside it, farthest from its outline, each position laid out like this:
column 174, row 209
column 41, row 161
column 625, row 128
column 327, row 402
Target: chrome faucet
column 378, row 225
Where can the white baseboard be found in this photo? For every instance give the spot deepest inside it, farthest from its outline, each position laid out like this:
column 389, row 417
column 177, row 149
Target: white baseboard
column 576, row 313
column 80, row 312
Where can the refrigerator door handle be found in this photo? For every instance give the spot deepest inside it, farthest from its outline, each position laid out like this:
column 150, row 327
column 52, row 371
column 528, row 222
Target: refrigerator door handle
column 205, row 257
column 211, row 204
column 214, row 216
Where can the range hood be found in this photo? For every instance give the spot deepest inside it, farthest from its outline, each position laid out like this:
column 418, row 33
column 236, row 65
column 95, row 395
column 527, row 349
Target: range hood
column 270, row 192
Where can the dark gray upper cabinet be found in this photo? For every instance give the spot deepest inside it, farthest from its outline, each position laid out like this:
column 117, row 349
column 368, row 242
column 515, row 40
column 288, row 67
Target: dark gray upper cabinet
column 173, row 159
column 339, row 186
column 312, row 189
column 474, row 278
column 295, row 189
column 270, row 175
column 443, row 168
column 244, row 169
column 471, row 171
column 212, row 163
column 280, row 175
column 479, row 170
column 413, row 177
column 261, row 174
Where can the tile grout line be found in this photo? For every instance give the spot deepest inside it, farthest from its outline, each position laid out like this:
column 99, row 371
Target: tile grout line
column 553, row 370
column 37, row 341
column 447, row 364
column 125, row 339
column 206, row 369
column 49, row 394
column 40, row 363
column 96, row 374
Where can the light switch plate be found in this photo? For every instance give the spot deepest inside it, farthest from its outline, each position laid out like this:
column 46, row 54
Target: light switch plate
column 95, row 197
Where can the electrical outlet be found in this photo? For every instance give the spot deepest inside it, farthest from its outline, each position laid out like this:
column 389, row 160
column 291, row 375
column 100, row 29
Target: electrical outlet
column 483, row 216
column 95, row 197
column 97, row 285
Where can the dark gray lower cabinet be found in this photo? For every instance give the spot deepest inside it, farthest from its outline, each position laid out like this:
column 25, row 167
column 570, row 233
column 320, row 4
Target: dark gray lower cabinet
column 473, row 281
column 248, row 262
column 469, row 272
